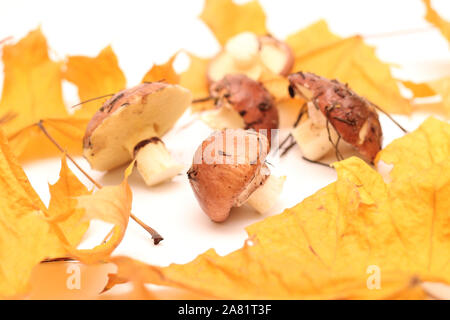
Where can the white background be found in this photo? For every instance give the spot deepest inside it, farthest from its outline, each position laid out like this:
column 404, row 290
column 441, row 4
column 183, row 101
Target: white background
column 147, row 32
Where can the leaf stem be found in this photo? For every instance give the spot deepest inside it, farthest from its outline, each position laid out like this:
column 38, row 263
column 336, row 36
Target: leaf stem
column 92, row 99
column 157, row 238
column 203, row 99
column 61, row 259
column 44, row 130
column 7, row 117
column 389, row 116
column 316, row 162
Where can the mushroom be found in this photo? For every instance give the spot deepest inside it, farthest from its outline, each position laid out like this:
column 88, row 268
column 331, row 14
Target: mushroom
column 129, row 126
column 229, row 169
column 334, row 112
column 242, row 103
column 249, row 54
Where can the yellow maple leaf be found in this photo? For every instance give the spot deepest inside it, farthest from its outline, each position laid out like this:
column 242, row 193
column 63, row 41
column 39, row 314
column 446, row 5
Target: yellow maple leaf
column 442, row 87
column 111, row 204
column 436, row 87
column 194, row 79
column 337, row 242
column 32, row 92
column 26, row 237
column 30, row 233
column 32, row 83
column 94, row 77
column 418, row 151
column 227, row 19
column 68, row 280
column 348, row 60
column 138, row 272
column 30, row 142
column 63, row 208
column 163, row 72
column 433, row 17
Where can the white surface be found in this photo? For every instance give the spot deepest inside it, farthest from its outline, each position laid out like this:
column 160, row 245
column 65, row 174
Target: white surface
column 144, row 32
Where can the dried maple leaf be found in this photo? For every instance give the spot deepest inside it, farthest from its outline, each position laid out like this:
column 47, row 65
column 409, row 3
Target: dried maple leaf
column 68, row 280
column 328, row 245
column 31, row 79
column 26, row 237
column 30, row 233
column 442, row 87
column 63, row 207
column 94, row 77
column 137, row 272
column 32, row 85
column 111, row 204
column 194, row 79
column 433, row 17
column 163, row 72
column 418, row 151
column 437, row 87
column 7, row 117
column 276, row 84
column 227, row 19
column 350, row 61
column 30, row 143
column 32, row 92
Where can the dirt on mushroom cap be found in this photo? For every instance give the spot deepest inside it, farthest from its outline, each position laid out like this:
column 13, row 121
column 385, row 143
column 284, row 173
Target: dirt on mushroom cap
column 224, row 167
column 133, row 115
column 126, row 96
column 353, row 117
column 250, row 99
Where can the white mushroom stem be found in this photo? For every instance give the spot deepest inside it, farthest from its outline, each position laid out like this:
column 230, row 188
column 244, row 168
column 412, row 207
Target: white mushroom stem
column 243, row 48
column 272, row 56
column 312, row 134
column 154, row 162
column 265, row 197
column 223, row 118
column 250, row 54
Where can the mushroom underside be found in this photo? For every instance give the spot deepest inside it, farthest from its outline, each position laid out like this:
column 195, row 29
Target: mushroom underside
column 113, row 141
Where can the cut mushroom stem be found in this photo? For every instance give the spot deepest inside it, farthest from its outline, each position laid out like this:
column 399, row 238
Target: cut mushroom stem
column 266, row 196
column 154, row 162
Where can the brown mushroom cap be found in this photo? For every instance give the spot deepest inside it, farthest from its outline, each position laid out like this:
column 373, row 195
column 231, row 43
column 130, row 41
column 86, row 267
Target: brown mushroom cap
column 226, row 170
column 353, row 117
column 141, row 112
column 250, row 99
